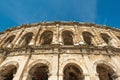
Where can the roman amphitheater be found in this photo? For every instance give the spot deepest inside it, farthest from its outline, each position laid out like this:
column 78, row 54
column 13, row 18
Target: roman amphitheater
column 60, row 51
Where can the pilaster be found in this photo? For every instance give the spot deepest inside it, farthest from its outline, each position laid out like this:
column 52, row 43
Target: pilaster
column 115, row 41
column 81, row 40
column 16, row 38
column 98, row 38
column 5, row 37
column 92, row 72
column 20, row 70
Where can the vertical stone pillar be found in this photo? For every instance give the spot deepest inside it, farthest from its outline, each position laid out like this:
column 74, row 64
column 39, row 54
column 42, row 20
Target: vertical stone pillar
column 59, row 35
column 92, row 71
column 37, row 35
column 34, row 37
column 76, row 38
column 23, row 42
column 54, row 40
column 60, row 76
column 53, row 73
column 5, row 37
column 17, row 37
column 60, row 39
column 98, row 38
column 18, row 41
column 81, row 40
column 20, row 69
column 38, row 39
column 32, row 42
column 56, row 35
column 114, row 41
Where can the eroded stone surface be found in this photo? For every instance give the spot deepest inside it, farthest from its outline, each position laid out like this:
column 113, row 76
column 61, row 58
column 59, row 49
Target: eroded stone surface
column 60, row 51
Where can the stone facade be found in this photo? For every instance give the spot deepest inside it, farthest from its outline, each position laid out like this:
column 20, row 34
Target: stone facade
column 60, row 51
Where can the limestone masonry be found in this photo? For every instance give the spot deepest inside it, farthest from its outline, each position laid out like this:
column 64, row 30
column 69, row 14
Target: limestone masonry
column 60, row 51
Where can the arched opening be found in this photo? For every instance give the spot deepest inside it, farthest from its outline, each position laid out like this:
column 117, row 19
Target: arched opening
column 8, row 72
column 87, row 36
column 72, row 72
column 46, row 38
column 67, row 37
column 105, row 72
column 26, row 39
column 105, row 37
column 9, row 40
column 38, row 72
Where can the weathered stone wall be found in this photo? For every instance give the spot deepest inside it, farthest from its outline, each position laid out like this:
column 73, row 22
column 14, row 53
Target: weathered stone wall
column 56, row 55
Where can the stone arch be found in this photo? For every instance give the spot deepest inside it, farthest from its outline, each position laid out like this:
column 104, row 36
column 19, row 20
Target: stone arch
column 38, row 72
column 105, row 37
column 72, row 72
column 105, row 70
column 26, row 38
column 67, row 37
column 42, row 65
column 40, row 61
column 8, row 70
column 64, row 63
column 10, row 63
column 73, row 31
column 67, row 29
column 46, row 37
column 42, row 30
column 87, row 37
column 9, row 40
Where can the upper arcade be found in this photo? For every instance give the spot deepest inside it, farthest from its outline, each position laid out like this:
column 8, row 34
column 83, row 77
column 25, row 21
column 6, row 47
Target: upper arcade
column 65, row 34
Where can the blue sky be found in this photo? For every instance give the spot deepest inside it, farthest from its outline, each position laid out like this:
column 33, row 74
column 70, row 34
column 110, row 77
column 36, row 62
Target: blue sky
column 17, row 12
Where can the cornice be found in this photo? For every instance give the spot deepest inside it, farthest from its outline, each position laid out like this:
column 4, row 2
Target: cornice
column 60, row 23
column 108, row 50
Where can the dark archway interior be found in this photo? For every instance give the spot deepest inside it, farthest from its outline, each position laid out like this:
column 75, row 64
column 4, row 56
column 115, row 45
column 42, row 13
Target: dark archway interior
column 8, row 73
column 118, row 37
column 105, row 72
column 67, row 37
column 9, row 40
column 46, row 38
column 87, row 36
column 39, row 72
column 26, row 39
column 105, row 37
column 71, row 72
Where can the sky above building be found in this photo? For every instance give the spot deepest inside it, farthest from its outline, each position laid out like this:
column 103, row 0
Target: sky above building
column 18, row 12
